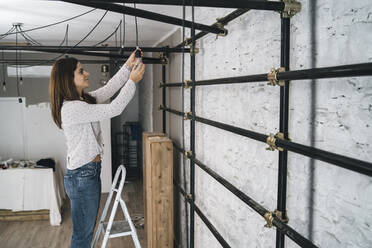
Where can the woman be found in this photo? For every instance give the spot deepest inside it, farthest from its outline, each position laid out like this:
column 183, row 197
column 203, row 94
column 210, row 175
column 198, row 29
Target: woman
column 78, row 114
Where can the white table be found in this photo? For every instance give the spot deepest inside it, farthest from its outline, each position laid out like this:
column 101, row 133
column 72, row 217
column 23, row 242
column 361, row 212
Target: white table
column 33, row 189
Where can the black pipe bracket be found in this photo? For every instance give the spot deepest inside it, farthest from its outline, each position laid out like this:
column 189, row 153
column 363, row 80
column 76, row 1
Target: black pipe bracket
column 271, row 141
column 272, row 77
column 187, row 84
column 291, row 8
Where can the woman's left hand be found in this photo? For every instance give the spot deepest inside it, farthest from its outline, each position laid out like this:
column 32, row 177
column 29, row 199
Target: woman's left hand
column 131, row 62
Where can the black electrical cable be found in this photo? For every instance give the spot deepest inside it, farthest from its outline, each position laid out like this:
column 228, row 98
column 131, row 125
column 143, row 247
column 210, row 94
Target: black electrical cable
column 49, row 25
column 121, row 51
column 7, row 33
column 135, row 19
column 116, row 29
column 123, row 28
column 20, row 69
column 120, row 37
column 17, row 81
column 64, row 38
column 28, row 37
column 3, row 58
column 50, row 60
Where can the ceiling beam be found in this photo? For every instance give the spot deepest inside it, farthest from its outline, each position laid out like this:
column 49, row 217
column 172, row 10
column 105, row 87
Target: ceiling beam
column 251, row 4
column 147, row 15
column 93, row 48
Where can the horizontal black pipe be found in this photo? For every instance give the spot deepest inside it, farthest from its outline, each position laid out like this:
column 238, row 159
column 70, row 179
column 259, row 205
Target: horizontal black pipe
column 40, row 61
column 329, row 157
column 145, row 14
column 282, row 227
column 332, row 158
column 214, row 231
column 261, row 5
column 364, row 69
column 145, row 60
column 93, row 48
column 224, row 20
column 353, row 70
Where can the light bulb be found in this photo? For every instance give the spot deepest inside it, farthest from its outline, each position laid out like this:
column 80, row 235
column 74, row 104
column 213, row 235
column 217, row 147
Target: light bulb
column 104, row 70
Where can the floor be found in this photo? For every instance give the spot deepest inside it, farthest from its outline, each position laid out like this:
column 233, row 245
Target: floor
column 40, row 234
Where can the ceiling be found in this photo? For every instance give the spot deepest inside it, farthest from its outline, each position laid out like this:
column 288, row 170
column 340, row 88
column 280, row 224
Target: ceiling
column 36, row 13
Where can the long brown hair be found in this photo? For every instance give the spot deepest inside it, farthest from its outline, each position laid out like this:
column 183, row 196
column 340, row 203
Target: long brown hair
column 62, row 87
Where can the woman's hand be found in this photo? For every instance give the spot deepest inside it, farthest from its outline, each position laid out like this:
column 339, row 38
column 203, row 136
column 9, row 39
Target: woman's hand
column 137, row 73
column 131, row 62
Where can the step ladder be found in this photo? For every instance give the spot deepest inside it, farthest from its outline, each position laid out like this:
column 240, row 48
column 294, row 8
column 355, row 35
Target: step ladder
column 113, row 229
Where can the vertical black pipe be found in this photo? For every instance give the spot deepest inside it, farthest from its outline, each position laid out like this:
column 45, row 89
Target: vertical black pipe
column 283, row 126
column 163, row 73
column 192, row 132
column 314, row 50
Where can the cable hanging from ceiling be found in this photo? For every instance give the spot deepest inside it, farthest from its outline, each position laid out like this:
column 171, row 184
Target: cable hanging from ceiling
column 4, row 83
column 10, row 32
column 121, row 51
column 66, row 52
column 108, row 37
column 17, row 79
column 7, row 33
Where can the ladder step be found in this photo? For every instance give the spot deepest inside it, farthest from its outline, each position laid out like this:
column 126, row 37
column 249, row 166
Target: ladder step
column 118, row 227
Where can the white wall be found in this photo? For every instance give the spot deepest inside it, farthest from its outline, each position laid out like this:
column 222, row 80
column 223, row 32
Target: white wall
column 41, row 137
column 342, row 206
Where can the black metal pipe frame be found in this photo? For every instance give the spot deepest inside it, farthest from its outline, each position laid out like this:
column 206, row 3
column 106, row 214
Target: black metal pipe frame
column 192, row 135
column 258, row 5
column 94, row 48
column 329, row 157
column 164, row 99
column 210, row 226
column 283, row 128
column 364, row 69
column 145, row 14
column 145, row 60
column 39, row 61
column 223, row 21
column 282, row 227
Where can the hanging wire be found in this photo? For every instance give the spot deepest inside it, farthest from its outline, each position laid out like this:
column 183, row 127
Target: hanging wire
column 116, row 29
column 19, row 100
column 67, row 34
column 120, row 37
column 135, row 19
column 49, row 25
column 122, row 45
column 53, row 59
column 7, row 33
column 3, row 58
column 28, row 37
column 183, row 121
column 20, row 68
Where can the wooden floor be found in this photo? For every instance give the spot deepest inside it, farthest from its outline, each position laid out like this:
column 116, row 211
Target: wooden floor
column 40, row 234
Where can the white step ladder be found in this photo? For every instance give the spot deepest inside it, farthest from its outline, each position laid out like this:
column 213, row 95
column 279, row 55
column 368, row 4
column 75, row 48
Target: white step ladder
column 113, row 229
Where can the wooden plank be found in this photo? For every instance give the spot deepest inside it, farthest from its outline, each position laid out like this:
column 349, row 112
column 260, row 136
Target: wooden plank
column 161, row 191
column 147, row 186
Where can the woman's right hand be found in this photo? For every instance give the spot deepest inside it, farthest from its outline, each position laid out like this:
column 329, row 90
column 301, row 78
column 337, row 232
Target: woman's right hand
column 137, row 73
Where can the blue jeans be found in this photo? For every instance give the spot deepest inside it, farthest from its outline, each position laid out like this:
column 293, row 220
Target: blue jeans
column 83, row 187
